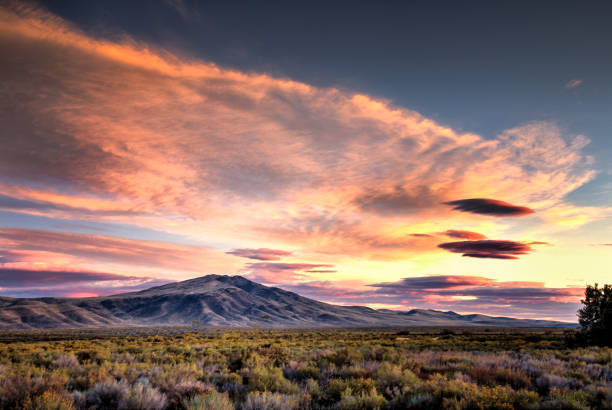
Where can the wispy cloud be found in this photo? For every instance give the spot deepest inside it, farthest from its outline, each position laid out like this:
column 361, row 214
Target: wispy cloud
column 277, row 272
column 262, row 254
column 38, row 249
column 573, row 83
column 185, row 10
column 460, row 234
column 38, row 283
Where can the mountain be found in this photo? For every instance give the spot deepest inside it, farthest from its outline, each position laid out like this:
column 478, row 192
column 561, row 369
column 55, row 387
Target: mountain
column 218, row 300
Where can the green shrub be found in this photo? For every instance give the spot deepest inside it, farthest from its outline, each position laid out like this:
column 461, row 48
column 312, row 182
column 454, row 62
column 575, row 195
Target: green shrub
column 390, row 377
column 210, row 401
column 49, row 400
column 270, row 379
column 270, row 401
column 370, row 400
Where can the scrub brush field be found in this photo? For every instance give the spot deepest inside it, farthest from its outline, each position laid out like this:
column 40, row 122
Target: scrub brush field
column 224, row 368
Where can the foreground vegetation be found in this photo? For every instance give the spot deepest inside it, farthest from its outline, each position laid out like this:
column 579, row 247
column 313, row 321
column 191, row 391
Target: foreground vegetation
column 178, row 368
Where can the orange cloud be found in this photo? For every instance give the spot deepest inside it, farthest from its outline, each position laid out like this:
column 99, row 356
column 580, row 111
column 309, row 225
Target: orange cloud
column 460, row 234
column 126, row 132
column 38, row 249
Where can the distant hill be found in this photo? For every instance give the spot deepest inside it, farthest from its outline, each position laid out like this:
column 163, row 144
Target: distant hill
column 217, row 300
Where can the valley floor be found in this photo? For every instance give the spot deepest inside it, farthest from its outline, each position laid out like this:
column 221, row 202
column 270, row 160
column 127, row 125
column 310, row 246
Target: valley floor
column 224, row 368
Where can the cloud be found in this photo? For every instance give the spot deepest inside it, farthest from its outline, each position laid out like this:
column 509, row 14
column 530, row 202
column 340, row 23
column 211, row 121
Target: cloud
column 34, row 248
column 188, row 13
column 262, row 254
column 38, row 206
column 276, row 272
column 156, row 108
column 485, row 206
column 124, row 132
column 463, row 294
column 436, row 282
column 330, row 291
column 39, row 283
column 399, row 200
column 459, row 234
column 23, row 278
column 573, row 83
column 495, row 249
column 480, row 294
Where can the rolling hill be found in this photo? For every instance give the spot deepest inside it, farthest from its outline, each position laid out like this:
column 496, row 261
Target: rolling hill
column 217, row 300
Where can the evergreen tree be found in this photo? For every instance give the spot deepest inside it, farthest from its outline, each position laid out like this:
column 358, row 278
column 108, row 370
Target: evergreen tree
column 595, row 316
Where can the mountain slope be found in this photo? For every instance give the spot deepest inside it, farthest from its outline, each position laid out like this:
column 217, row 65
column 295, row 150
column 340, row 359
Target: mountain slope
column 218, row 300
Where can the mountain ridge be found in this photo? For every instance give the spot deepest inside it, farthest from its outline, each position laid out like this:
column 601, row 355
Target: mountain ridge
column 223, row 300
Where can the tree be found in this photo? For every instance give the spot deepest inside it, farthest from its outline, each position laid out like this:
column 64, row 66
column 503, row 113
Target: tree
column 595, row 316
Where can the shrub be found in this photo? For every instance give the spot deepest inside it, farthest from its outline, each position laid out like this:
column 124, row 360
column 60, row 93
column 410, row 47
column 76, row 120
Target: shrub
column 389, row 376
column 143, row 397
column 270, row 401
column 270, row 379
column 301, row 371
column 370, row 400
column 344, row 356
column 49, row 401
column 210, row 401
column 97, row 356
column 502, row 397
column 320, row 369
column 106, row 395
column 18, row 389
column 495, row 375
column 548, row 381
column 179, row 394
column 66, row 361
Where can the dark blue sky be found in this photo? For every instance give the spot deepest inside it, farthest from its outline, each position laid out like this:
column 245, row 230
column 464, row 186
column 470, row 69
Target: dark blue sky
column 476, row 66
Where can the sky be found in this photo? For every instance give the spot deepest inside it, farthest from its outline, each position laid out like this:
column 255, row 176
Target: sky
column 431, row 155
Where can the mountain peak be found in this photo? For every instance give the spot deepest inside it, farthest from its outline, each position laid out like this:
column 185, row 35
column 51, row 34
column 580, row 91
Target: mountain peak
column 200, row 285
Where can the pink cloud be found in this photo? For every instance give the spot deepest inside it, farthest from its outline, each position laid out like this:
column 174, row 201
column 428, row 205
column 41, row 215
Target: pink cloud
column 331, row 170
column 459, row 234
column 69, row 283
column 463, row 294
column 277, row 272
column 262, row 254
column 35, row 248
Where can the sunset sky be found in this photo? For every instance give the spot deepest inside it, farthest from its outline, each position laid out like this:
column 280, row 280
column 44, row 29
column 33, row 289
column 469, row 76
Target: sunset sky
column 452, row 156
